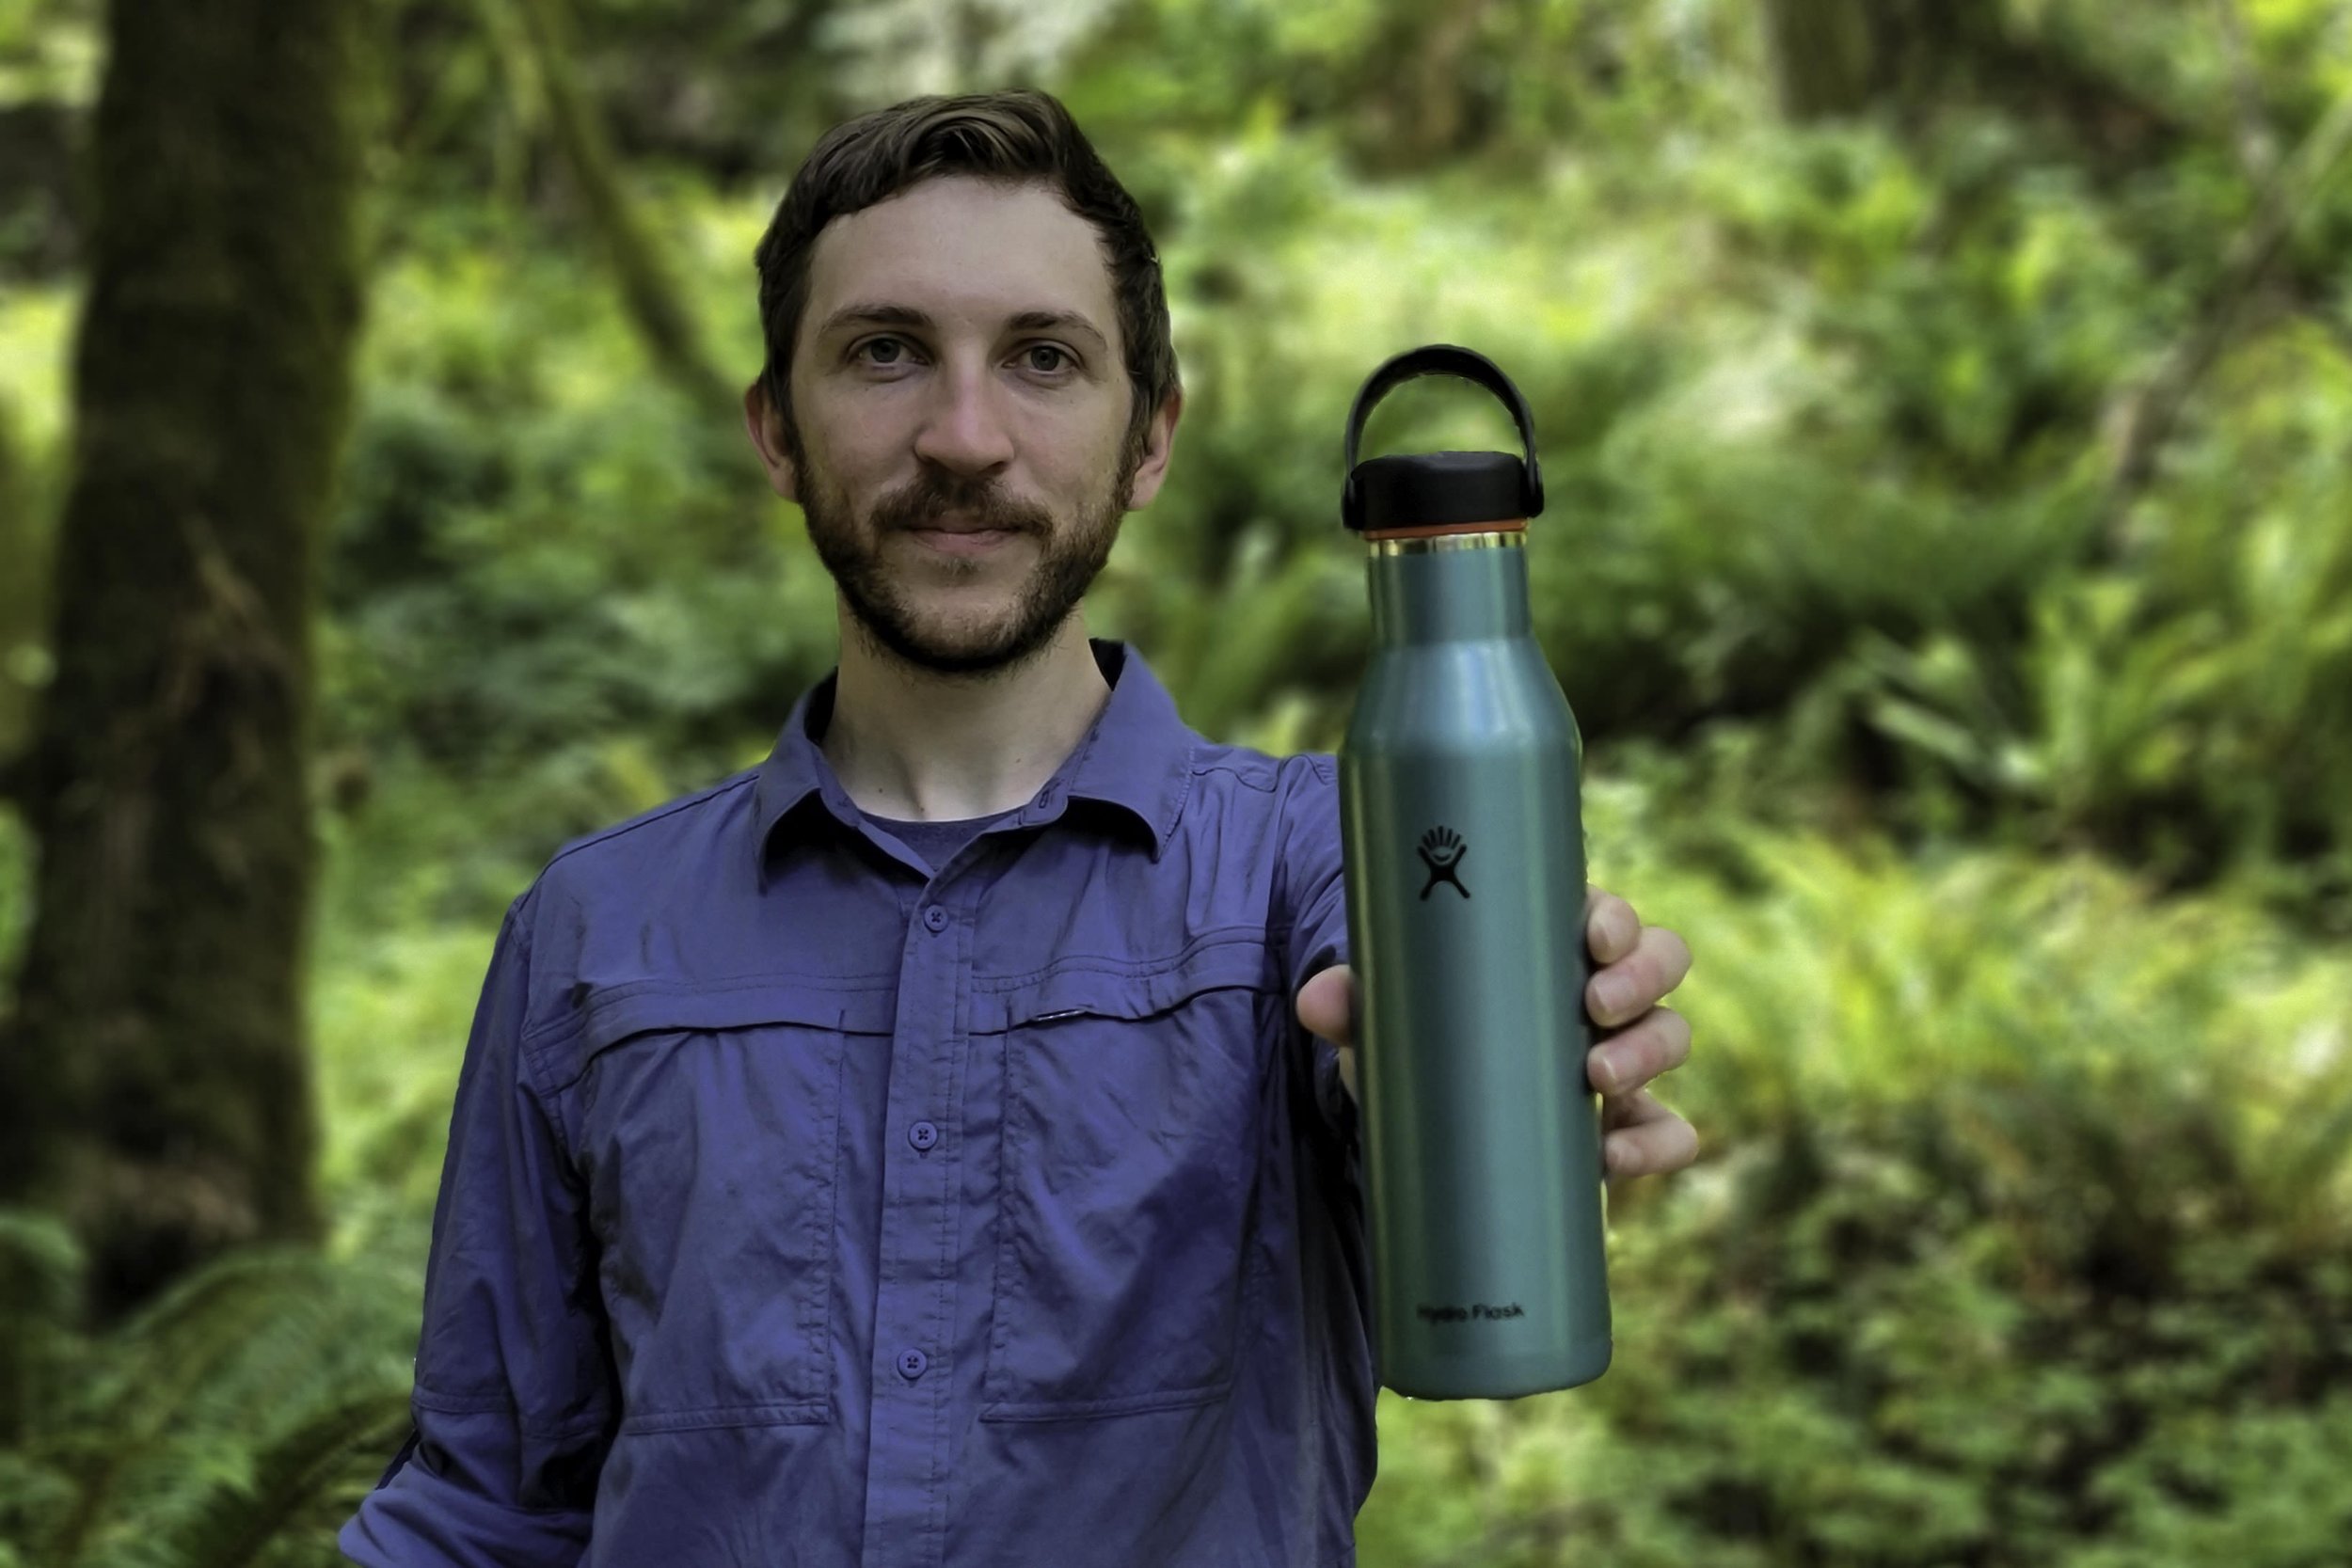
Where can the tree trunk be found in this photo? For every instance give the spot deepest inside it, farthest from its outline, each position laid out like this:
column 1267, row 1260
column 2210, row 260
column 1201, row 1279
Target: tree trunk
column 1823, row 56
column 154, row 1084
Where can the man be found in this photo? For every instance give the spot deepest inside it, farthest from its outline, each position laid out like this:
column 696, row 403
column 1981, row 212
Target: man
column 936, row 1146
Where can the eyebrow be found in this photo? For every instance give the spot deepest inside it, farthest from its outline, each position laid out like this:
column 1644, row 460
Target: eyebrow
column 906, row 315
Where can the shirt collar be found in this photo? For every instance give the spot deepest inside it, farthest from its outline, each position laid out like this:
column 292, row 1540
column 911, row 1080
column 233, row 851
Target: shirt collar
column 1138, row 756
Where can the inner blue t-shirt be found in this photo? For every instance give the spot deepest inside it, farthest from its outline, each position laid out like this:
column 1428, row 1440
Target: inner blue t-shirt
column 938, row 841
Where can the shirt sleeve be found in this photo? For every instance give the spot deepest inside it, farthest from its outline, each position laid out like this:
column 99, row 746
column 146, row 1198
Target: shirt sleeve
column 1319, row 926
column 514, row 1398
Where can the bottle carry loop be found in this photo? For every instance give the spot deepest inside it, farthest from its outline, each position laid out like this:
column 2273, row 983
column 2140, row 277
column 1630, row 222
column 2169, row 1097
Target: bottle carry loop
column 1429, row 486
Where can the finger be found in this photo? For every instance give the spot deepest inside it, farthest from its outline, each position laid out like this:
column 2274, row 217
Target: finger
column 1660, row 1141
column 1326, row 1004
column 1611, row 927
column 1659, row 1043
column 1630, row 986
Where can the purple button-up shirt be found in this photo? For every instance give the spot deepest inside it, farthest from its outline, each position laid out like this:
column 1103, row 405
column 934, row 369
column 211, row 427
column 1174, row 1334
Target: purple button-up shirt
column 803, row 1207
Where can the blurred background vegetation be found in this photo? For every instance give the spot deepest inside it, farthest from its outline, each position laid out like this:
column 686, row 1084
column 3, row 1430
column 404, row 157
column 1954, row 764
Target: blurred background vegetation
column 1946, row 410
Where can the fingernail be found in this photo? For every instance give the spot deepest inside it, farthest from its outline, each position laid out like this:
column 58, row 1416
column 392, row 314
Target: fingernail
column 1606, row 1075
column 1612, row 991
column 1622, row 932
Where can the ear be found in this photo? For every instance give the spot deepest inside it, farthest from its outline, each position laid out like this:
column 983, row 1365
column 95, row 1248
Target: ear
column 766, row 429
column 1159, row 441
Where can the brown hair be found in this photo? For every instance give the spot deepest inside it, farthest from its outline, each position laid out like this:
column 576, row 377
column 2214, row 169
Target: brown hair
column 1020, row 136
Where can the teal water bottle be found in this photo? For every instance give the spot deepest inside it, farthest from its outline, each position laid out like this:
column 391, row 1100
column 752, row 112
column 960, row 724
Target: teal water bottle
column 1464, row 849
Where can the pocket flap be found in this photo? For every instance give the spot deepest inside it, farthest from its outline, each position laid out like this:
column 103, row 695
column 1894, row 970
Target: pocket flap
column 612, row 1014
column 1104, row 988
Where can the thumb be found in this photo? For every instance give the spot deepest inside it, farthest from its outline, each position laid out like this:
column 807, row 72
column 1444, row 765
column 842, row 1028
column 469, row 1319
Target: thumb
column 1326, row 1004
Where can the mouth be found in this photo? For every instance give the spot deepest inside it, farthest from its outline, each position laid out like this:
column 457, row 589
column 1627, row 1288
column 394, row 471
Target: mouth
column 959, row 537
column 961, row 534
column 957, row 522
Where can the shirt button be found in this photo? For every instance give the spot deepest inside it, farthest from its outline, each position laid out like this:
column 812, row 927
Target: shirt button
column 911, row 1363
column 936, row 918
column 922, row 1135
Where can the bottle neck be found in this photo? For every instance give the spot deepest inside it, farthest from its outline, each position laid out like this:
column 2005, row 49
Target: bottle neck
column 1451, row 588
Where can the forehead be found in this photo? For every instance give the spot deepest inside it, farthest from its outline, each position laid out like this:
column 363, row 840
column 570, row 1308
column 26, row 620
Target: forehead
column 967, row 251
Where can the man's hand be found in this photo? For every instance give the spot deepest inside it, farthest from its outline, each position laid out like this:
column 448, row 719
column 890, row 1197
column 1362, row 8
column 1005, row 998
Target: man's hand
column 1637, row 1039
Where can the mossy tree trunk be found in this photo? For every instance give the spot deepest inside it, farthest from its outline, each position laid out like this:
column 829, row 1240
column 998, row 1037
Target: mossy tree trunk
column 154, row 1086
column 1822, row 55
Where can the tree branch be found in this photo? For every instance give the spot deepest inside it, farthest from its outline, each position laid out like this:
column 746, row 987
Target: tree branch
column 2150, row 412
column 2257, row 148
column 647, row 293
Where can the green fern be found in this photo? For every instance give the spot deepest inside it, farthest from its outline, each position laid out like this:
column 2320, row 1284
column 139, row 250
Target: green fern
column 233, row 1421
column 298, row 1489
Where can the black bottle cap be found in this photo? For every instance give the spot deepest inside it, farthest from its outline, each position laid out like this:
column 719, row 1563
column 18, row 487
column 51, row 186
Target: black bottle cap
column 1439, row 489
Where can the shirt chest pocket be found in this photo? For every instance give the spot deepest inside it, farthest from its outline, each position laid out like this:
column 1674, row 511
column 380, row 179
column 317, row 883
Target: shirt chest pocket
column 710, row 1126
column 1133, row 1126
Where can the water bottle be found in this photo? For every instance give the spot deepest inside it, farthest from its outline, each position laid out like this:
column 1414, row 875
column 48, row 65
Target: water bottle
column 1464, row 854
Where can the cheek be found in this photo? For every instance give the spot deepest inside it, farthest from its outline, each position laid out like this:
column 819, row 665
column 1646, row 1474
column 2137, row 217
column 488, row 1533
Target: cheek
column 845, row 436
column 1086, row 463
column 848, row 468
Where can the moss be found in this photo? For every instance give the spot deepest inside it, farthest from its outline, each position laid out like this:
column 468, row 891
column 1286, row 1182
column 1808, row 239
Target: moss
column 158, row 1087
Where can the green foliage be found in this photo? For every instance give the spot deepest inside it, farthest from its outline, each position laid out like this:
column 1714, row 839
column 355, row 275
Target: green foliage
column 49, row 52
column 236, row 1420
column 546, row 569
column 394, row 1005
column 32, row 334
column 2025, row 1243
column 1408, row 89
column 2182, row 707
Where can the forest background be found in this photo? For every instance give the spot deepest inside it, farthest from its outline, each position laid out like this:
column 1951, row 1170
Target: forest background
column 1946, row 413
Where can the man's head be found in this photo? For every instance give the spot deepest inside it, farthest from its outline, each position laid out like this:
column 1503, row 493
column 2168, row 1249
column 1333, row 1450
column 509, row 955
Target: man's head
column 969, row 375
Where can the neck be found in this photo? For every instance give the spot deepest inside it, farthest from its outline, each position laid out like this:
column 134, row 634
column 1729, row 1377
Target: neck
column 917, row 746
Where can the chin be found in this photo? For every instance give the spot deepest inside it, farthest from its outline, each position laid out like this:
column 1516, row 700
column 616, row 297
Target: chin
column 959, row 647
column 961, row 644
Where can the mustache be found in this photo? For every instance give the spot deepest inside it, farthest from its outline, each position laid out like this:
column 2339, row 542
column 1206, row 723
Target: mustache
column 925, row 502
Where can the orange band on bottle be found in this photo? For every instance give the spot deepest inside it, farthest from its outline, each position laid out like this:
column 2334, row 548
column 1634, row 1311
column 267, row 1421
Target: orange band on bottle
column 1432, row 530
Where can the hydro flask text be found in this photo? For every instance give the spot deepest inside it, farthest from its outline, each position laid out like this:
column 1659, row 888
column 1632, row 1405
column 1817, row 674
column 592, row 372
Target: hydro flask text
column 1463, row 1314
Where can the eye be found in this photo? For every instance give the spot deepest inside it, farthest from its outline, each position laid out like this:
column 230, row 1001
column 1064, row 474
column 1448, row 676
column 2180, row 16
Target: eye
column 1059, row 354
column 892, row 343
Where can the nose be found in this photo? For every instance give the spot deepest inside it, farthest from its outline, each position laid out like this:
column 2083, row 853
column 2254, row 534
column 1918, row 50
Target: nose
column 964, row 429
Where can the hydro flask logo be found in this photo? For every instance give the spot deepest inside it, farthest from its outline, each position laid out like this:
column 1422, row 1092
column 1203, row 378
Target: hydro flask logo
column 1442, row 851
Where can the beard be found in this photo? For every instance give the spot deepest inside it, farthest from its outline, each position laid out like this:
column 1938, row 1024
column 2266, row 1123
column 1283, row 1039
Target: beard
column 890, row 614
